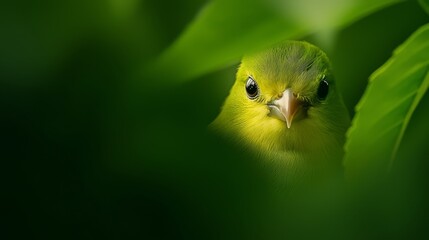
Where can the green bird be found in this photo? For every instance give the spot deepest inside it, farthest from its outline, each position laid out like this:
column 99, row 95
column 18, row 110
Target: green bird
column 285, row 109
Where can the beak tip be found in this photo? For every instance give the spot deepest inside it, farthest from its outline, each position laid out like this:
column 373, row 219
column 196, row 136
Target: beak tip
column 288, row 105
column 288, row 123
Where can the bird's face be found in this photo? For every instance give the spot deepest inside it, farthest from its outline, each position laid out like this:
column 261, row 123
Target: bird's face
column 284, row 99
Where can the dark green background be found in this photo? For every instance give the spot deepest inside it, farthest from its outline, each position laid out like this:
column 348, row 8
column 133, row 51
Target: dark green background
column 94, row 148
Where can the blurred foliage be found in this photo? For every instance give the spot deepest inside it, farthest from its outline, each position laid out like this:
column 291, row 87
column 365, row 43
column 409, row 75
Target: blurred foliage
column 222, row 40
column 385, row 117
column 103, row 138
column 425, row 5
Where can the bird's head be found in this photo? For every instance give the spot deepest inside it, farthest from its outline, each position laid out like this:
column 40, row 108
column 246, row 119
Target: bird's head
column 284, row 99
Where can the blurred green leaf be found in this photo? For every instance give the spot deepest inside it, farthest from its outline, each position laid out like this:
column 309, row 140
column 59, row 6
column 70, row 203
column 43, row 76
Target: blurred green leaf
column 381, row 119
column 425, row 5
column 379, row 35
column 225, row 30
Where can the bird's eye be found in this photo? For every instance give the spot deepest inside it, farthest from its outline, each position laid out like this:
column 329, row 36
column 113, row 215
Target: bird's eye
column 322, row 91
column 252, row 88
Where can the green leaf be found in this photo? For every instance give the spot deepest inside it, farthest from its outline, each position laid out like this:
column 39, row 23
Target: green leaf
column 383, row 113
column 425, row 5
column 226, row 29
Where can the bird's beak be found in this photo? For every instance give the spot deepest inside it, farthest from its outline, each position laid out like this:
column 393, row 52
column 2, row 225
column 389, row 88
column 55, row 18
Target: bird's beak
column 285, row 107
